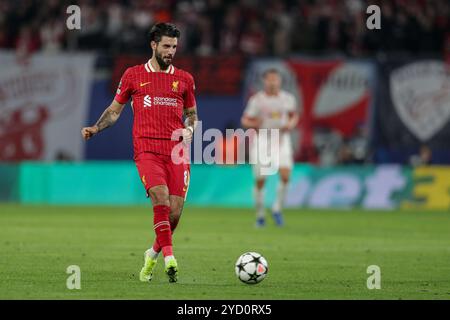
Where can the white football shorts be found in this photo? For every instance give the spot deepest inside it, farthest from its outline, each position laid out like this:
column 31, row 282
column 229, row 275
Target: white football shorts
column 267, row 157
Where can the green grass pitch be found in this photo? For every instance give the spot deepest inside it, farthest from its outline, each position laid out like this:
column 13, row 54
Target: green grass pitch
column 317, row 255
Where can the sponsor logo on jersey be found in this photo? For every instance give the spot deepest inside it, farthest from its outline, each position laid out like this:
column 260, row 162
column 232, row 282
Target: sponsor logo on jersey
column 159, row 101
column 275, row 115
column 147, row 101
column 165, row 101
column 143, row 83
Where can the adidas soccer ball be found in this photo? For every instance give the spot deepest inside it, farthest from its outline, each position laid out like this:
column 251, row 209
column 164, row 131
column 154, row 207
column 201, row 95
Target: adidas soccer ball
column 251, row 268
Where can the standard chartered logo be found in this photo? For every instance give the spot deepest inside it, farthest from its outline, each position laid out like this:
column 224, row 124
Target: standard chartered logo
column 164, row 101
column 147, row 101
column 159, row 101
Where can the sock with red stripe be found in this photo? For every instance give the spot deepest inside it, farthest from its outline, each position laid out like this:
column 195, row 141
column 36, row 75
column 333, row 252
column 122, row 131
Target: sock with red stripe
column 163, row 230
column 156, row 248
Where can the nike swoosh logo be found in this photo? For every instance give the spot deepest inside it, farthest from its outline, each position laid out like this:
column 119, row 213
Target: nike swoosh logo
column 143, row 84
column 165, row 229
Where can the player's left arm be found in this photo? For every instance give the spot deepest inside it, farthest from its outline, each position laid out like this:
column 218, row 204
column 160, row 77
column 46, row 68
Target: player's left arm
column 292, row 121
column 190, row 123
column 293, row 115
column 190, row 110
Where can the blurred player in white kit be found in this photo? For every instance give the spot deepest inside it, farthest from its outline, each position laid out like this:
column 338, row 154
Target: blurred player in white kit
column 271, row 108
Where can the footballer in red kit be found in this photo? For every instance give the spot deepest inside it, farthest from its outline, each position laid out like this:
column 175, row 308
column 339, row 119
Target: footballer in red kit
column 162, row 95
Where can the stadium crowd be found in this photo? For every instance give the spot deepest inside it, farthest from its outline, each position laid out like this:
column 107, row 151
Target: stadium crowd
column 249, row 27
column 252, row 27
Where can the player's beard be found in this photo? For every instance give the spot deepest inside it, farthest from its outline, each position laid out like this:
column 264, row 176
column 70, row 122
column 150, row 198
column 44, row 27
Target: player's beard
column 162, row 64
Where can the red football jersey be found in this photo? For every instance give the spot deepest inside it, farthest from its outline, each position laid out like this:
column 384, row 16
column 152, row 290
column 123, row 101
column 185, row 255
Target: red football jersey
column 158, row 101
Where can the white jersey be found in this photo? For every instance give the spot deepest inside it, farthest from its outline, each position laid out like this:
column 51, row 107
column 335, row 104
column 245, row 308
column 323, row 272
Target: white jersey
column 272, row 110
column 274, row 113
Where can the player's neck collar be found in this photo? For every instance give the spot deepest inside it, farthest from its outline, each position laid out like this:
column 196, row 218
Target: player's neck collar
column 148, row 66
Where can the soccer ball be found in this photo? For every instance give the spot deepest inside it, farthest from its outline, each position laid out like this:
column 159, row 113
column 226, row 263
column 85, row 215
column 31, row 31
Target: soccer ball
column 251, row 268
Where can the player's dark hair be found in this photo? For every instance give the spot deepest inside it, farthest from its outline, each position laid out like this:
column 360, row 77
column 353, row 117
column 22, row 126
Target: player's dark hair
column 163, row 29
column 271, row 70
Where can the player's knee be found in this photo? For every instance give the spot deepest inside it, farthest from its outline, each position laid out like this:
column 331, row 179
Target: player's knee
column 260, row 184
column 175, row 210
column 285, row 179
column 173, row 219
column 285, row 174
column 159, row 196
column 175, row 215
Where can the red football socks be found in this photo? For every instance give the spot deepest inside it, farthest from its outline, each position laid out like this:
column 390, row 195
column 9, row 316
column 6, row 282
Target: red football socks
column 162, row 228
column 156, row 246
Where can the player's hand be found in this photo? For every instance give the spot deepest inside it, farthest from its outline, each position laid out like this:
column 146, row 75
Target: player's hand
column 187, row 135
column 89, row 132
column 258, row 123
column 286, row 128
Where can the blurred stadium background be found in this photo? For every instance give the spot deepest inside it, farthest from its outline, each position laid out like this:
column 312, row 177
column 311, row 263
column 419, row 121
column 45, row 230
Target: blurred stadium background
column 369, row 99
column 375, row 104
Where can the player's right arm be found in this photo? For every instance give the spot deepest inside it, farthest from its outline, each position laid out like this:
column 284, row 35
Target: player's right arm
column 112, row 113
column 107, row 119
column 250, row 122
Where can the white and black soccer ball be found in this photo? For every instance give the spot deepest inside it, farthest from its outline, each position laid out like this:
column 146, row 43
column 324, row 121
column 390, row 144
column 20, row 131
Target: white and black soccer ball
column 251, row 268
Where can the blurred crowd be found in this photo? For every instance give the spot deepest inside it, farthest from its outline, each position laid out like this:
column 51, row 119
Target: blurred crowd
column 252, row 27
column 333, row 148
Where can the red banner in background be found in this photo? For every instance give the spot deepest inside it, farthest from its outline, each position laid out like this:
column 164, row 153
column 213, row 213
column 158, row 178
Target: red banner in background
column 217, row 75
column 334, row 95
column 22, row 138
column 43, row 105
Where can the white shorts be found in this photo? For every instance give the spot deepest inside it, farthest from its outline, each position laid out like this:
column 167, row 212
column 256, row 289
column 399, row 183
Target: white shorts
column 267, row 158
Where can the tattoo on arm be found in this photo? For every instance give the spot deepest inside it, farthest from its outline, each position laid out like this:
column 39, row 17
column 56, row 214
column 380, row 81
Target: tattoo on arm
column 107, row 119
